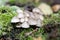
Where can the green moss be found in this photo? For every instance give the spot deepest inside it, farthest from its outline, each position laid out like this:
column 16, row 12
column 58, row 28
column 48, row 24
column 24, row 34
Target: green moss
column 53, row 18
column 6, row 15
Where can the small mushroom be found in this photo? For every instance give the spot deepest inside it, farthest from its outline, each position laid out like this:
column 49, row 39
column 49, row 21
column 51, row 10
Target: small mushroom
column 39, row 23
column 22, row 20
column 31, row 15
column 45, row 8
column 20, row 15
column 41, row 17
column 26, row 13
column 25, row 25
column 36, row 15
column 32, row 21
column 26, row 19
column 37, row 10
column 14, row 20
column 56, row 8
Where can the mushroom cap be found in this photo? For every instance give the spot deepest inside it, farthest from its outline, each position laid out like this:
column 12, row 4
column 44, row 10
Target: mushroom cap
column 15, row 20
column 45, row 8
column 26, row 18
column 20, row 15
column 32, row 21
column 56, row 8
column 25, row 25
column 36, row 10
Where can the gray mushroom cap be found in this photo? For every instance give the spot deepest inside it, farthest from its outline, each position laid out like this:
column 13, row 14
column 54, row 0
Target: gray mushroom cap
column 27, row 18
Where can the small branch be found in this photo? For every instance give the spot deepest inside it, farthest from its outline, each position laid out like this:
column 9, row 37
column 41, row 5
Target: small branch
column 29, row 33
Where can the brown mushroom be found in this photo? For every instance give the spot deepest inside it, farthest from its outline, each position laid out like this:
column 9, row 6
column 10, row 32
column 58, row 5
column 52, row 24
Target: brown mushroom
column 56, row 8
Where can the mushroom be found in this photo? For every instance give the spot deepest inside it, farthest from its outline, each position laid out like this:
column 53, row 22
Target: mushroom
column 26, row 13
column 22, row 20
column 25, row 25
column 37, row 10
column 20, row 13
column 41, row 17
column 26, row 19
column 39, row 23
column 32, row 21
column 15, row 20
column 31, row 15
column 45, row 8
column 56, row 8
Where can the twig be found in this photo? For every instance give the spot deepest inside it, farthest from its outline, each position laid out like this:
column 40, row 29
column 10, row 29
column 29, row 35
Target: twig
column 29, row 33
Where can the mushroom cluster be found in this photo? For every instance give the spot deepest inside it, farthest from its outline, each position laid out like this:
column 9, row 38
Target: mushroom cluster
column 26, row 18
